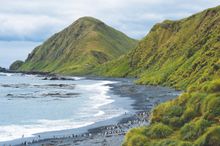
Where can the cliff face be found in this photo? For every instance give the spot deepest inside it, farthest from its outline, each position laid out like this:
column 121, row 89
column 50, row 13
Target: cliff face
column 174, row 53
column 78, row 48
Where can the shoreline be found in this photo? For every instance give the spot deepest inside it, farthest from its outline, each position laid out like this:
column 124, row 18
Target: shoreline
column 110, row 131
column 103, row 135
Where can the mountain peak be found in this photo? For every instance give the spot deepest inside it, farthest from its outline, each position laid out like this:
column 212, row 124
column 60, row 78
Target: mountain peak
column 85, row 25
column 78, row 48
column 88, row 18
column 88, row 21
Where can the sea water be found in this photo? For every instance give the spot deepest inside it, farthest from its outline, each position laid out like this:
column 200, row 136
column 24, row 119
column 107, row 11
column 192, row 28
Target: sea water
column 30, row 105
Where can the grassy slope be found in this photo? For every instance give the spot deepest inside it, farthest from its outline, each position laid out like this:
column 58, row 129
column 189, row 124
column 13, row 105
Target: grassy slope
column 174, row 53
column 193, row 119
column 78, row 48
column 184, row 54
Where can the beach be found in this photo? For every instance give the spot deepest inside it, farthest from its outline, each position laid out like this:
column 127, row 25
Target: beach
column 145, row 98
column 138, row 100
column 109, row 135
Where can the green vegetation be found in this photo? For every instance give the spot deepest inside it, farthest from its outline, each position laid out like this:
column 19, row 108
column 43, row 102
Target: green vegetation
column 16, row 65
column 175, row 53
column 191, row 119
column 183, row 54
column 79, row 48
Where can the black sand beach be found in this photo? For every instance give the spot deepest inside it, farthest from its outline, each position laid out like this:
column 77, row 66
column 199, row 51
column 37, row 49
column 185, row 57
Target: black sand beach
column 110, row 132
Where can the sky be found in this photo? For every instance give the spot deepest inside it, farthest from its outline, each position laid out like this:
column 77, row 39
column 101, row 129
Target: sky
column 27, row 23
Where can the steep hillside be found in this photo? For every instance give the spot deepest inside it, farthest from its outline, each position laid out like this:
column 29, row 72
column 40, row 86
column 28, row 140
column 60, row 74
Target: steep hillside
column 78, row 48
column 174, row 53
column 184, row 54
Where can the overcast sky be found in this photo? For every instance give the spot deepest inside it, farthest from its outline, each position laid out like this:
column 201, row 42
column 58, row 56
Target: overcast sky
column 35, row 20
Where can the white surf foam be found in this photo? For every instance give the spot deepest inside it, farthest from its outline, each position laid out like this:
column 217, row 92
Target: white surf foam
column 12, row 132
column 99, row 97
column 78, row 78
column 99, row 93
column 6, row 74
column 100, row 113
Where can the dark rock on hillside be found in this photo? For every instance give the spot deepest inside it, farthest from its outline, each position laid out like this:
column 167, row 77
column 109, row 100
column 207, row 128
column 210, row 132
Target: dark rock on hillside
column 2, row 69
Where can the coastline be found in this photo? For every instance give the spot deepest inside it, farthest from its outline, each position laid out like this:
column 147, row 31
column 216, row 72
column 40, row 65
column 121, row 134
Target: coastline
column 111, row 131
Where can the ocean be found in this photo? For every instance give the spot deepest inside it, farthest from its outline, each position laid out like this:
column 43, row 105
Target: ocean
column 30, row 105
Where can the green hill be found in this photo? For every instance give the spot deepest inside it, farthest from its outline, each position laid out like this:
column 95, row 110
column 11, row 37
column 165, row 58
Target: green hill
column 184, row 54
column 174, row 53
column 78, row 48
column 16, row 65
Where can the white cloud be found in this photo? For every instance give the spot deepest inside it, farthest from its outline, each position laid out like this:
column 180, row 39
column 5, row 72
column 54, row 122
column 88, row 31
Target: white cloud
column 27, row 27
column 38, row 19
